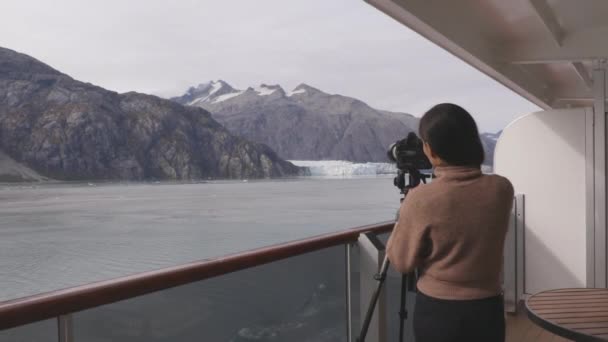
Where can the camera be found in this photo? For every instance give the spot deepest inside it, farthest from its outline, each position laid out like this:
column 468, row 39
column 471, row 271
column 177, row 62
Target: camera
column 408, row 154
column 410, row 159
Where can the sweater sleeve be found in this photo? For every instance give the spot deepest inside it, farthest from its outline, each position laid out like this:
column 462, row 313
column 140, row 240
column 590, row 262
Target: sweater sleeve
column 407, row 241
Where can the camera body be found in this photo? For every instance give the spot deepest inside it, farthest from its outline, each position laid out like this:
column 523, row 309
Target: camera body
column 408, row 154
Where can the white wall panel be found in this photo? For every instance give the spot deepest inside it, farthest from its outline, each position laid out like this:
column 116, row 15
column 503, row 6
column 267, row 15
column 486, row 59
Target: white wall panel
column 543, row 154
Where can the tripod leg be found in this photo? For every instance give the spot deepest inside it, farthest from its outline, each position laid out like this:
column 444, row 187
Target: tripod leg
column 402, row 307
column 380, row 277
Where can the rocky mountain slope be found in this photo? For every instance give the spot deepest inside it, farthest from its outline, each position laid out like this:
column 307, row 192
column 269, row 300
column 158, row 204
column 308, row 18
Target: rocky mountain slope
column 307, row 123
column 11, row 171
column 70, row 130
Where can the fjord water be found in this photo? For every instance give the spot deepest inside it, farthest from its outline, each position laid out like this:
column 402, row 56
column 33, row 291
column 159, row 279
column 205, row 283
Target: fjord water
column 61, row 235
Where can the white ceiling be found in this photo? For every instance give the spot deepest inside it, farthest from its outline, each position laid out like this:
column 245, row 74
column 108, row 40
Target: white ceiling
column 545, row 50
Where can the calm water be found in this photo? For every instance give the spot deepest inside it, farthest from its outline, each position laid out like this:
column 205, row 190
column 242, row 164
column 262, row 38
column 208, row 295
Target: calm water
column 57, row 236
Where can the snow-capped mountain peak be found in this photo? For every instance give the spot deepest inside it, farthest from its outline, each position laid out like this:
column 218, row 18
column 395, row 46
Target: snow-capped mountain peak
column 307, row 88
column 265, row 90
column 219, row 91
column 207, row 92
column 214, row 92
column 208, row 88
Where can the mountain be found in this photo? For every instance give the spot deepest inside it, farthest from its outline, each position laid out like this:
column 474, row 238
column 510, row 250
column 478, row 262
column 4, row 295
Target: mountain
column 70, row 130
column 489, row 144
column 304, row 124
column 307, row 123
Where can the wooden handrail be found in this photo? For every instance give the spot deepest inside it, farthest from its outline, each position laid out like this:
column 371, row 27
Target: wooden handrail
column 43, row 306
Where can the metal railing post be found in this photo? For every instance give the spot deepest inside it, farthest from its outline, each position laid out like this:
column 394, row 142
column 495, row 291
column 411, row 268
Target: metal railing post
column 520, row 241
column 509, row 273
column 600, row 122
column 513, row 269
column 65, row 328
column 349, row 310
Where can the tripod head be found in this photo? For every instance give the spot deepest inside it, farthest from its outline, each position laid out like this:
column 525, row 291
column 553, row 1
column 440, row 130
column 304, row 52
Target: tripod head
column 415, row 178
column 409, row 155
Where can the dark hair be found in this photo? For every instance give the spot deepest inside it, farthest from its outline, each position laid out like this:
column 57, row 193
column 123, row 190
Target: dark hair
column 452, row 134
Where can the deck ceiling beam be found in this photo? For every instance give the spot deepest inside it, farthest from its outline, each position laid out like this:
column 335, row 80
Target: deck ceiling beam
column 550, row 22
column 587, row 99
column 546, row 15
column 579, row 46
column 445, row 29
column 581, row 70
column 575, row 94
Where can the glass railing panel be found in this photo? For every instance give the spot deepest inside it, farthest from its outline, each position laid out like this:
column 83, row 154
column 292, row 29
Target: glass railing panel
column 44, row 331
column 302, row 298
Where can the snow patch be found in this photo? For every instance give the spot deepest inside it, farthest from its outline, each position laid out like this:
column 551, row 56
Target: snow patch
column 339, row 168
column 197, row 101
column 295, row 92
column 227, row 96
column 215, row 87
column 264, row 90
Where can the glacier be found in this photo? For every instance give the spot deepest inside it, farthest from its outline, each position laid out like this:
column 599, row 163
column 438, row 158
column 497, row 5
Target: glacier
column 341, row 168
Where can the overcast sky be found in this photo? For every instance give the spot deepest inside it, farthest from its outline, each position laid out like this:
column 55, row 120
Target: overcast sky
column 340, row 46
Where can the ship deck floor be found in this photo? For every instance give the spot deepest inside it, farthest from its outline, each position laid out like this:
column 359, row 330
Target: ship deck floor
column 521, row 329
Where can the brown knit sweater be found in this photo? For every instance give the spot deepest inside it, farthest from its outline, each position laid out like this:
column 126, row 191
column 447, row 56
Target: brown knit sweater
column 453, row 230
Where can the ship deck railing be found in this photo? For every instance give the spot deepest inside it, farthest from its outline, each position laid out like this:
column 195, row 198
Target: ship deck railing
column 315, row 289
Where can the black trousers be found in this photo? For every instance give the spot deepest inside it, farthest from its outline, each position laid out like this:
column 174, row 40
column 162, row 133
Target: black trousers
column 438, row 320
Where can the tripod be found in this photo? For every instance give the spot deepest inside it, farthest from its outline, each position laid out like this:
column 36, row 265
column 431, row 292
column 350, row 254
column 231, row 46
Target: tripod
column 415, row 177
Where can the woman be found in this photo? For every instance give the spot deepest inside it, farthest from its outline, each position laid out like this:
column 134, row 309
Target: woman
column 453, row 230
